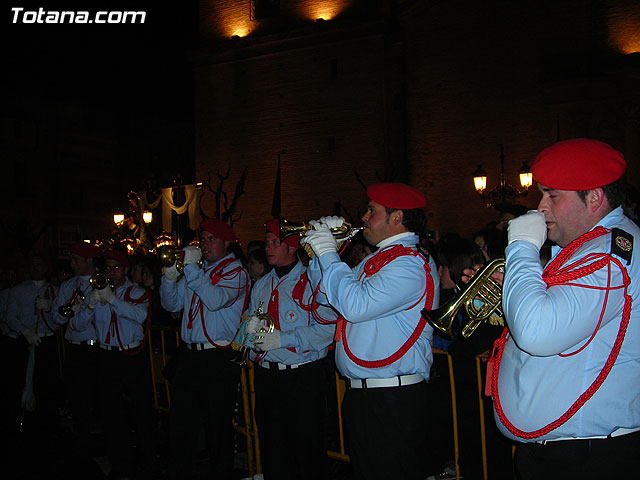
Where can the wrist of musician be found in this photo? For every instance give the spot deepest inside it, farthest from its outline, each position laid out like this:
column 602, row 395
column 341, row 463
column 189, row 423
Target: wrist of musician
column 191, row 271
column 328, row 259
column 107, row 295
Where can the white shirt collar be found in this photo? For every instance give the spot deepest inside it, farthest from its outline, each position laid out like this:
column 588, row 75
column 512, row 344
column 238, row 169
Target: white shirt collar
column 390, row 240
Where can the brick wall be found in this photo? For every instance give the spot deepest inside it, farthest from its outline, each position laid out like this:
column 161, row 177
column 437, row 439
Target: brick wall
column 429, row 95
column 322, row 106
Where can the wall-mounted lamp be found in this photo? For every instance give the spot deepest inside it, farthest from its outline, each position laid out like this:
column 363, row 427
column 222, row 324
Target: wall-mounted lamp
column 118, row 218
column 147, row 216
column 504, row 193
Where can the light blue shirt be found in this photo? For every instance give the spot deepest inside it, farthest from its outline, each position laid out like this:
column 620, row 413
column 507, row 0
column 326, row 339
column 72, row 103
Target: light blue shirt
column 64, row 296
column 129, row 317
column 535, row 385
column 219, row 306
column 299, row 328
column 21, row 312
column 382, row 310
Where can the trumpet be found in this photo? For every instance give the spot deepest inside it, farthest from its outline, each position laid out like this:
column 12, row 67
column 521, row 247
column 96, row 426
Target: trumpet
column 65, row 310
column 169, row 255
column 343, row 234
column 238, row 343
column 481, row 287
column 98, row 281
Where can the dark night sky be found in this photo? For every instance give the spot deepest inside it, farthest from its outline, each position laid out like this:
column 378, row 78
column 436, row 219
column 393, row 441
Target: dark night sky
column 73, row 57
column 135, row 71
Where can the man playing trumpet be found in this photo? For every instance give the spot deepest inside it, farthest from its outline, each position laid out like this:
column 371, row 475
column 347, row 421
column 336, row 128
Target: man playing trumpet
column 566, row 378
column 290, row 377
column 81, row 348
column 212, row 299
column 118, row 310
column 383, row 345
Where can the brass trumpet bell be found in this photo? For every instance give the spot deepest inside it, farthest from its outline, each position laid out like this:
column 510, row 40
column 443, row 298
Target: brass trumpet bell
column 169, row 255
column 65, row 310
column 342, row 234
column 481, row 287
column 99, row 280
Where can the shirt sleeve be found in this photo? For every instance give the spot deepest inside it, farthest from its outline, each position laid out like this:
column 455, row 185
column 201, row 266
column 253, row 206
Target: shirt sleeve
column 82, row 319
column 395, row 287
column 548, row 321
column 316, row 337
column 172, row 294
column 132, row 312
column 221, row 295
column 13, row 312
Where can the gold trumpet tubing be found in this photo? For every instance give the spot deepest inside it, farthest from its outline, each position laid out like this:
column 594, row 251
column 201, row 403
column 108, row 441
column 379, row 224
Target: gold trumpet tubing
column 481, row 287
column 489, row 299
column 470, row 327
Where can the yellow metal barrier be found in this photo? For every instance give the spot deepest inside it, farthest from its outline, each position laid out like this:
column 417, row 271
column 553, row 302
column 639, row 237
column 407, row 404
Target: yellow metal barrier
column 341, row 388
column 159, row 355
column 483, row 434
column 454, row 409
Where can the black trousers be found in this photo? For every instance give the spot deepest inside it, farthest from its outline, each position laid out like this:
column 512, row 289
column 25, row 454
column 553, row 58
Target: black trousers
column 125, row 374
column 388, row 432
column 80, row 377
column 291, row 414
column 617, row 457
column 13, row 360
column 203, row 394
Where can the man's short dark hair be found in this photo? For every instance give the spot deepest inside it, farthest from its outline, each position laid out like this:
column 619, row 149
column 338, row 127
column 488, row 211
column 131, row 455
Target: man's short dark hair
column 458, row 254
column 413, row 219
column 616, row 193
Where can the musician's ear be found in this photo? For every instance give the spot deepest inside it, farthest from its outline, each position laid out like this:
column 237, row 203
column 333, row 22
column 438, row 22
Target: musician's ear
column 595, row 199
column 396, row 217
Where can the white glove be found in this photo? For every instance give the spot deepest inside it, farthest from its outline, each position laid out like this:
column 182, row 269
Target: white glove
column 253, row 325
column 43, row 304
column 171, row 273
column 332, row 221
column 31, row 337
column 530, row 227
column 107, row 295
column 268, row 341
column 320, row 239
column 75, row 308
column 191, row 254
column 94, row 298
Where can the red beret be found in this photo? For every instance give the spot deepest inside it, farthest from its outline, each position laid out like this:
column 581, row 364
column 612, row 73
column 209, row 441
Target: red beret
column 273, row 226
column 219, row 229
column 396, row 195
column 118, row 256
column 85, row 250
column 578, row 164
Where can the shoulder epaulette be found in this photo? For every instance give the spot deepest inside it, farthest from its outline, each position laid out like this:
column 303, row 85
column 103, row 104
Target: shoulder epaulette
column 621, row 244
